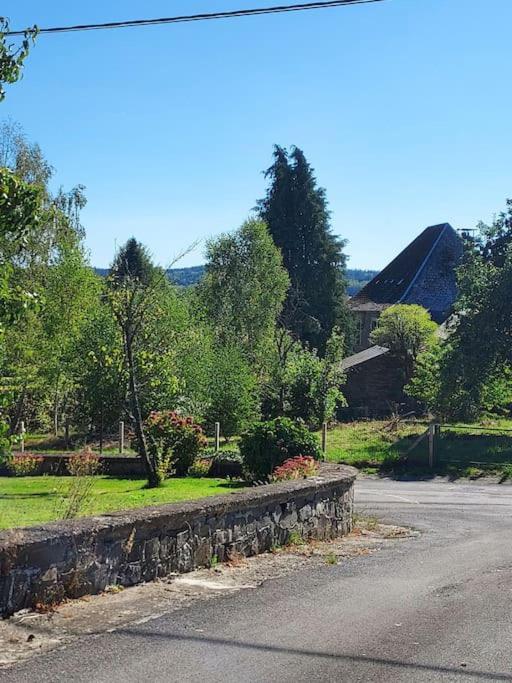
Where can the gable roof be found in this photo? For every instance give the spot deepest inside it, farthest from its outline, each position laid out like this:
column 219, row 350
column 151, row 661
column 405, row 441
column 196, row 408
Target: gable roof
column 363, row 356
column 423, row 273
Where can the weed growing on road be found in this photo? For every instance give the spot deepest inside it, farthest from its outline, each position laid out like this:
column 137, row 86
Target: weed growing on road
column 368, row 522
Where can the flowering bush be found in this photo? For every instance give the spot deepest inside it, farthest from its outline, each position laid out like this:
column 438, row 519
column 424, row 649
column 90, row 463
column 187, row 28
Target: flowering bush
column 83, row 464
column 173, row 441
column 295, row 468
column 200, row 468
column 268, row 444
column 23, row 464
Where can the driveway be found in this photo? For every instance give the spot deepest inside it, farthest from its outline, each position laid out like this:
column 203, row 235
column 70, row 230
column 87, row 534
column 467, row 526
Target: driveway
column 437, row 607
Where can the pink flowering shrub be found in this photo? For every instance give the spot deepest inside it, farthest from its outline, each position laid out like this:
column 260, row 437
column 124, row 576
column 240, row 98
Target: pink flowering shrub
column 24, row 464
column 83, row 464
column 295, row 468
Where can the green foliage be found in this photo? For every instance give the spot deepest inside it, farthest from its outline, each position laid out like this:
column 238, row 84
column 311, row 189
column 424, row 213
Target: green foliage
column 313, row 383
column 303, row 385
column 406, row 330
column 149, row 316
column 99, row 372
column 479, row 351
column 424, row 385
column 68, row 300
column 232, row 391
column 225, row 463
column 268, row 444
column 44, row 276
column 244, row 287
column 132, row 262
column 20, row 206
column 173, row 441
column 12, row 56
column 296, row 212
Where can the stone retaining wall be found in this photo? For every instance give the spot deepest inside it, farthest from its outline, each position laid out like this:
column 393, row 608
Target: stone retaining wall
column 70, row 559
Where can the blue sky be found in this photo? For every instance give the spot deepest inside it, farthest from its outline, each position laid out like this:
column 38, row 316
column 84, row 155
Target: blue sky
column 402, row 107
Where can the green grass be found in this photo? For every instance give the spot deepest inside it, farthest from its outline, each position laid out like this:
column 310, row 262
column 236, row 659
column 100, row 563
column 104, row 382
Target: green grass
column 368, row 444
column 26, row 501
column 461, row 450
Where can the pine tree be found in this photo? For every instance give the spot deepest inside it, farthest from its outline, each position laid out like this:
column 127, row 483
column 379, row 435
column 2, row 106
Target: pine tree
column 296, row 212
column 132, row 261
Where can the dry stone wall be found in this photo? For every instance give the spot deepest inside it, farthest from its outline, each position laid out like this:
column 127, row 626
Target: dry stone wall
column 74, row 558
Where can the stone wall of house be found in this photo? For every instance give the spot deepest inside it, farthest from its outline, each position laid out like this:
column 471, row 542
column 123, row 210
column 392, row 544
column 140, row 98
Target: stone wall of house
column 376, row 385
column 74, row 558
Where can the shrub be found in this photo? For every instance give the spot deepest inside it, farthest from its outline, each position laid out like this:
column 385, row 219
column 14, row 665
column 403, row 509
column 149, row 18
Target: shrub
column 313, row 383
column 83, row 464
column 200, row 467
column 82, row 467
column 23, row 464
column 295, row 468
column 232, row 392
column 173, row 441
column 226, row 463
column 268, row 444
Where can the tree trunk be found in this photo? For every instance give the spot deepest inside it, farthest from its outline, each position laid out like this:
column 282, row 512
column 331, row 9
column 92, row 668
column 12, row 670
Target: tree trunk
column 56, row 414
column 151, row 471
column 14, row 422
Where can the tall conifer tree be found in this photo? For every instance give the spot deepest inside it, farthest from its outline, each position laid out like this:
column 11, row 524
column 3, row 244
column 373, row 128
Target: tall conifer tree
column 295, row 209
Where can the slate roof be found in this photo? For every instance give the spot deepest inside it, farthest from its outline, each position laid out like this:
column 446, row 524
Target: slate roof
column 423, row 273
column 363, row 356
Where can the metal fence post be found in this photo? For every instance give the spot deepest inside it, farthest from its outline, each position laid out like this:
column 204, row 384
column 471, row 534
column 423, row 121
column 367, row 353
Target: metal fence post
column 121, row 437
column 217, row 437
column 324, row 439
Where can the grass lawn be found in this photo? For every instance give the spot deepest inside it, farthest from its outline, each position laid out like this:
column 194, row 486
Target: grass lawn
column 460, row 450
column 26, row 501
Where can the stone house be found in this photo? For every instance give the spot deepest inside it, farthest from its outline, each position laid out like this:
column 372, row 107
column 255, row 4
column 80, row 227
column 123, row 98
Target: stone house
column 423, row 273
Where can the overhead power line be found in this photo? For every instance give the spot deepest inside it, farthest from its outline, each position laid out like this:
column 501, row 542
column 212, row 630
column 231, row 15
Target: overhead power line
column 321, row 4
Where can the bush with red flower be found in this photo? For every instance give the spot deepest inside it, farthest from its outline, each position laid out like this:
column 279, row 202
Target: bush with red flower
column 174, row 441
column 23, row 464
column 84, row 464
column 295, row 468
column 266, row 445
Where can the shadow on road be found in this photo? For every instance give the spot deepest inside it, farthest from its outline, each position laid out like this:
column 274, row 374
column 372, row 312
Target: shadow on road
column 356, row 659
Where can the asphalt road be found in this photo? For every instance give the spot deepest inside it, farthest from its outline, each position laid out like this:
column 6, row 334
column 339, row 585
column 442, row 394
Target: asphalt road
column 433, row 608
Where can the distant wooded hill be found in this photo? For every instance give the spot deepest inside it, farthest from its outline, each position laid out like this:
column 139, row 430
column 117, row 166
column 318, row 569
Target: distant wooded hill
column 185, row 277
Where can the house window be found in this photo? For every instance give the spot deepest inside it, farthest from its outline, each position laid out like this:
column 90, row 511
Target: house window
column 375, row 322
column 360, row 330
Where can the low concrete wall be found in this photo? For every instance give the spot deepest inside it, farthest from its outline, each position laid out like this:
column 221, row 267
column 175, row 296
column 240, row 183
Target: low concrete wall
column 70, row 559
